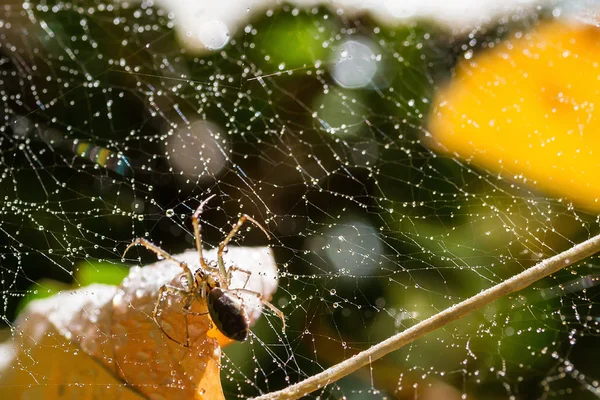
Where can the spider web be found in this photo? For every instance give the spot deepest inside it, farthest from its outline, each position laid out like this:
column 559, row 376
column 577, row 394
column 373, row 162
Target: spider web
column 311, row 121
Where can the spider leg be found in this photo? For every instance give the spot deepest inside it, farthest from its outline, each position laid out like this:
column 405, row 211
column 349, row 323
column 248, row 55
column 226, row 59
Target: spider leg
column 224, row 243
column 160, row 252
column 196, row 313
column 174, row 290
column 197, row 233
column 186, row 310
column 276, row 310
column 230, row 274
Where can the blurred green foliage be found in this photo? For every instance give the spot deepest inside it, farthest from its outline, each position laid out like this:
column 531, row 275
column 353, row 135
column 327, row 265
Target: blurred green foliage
column 100, row 272
column 292, row 41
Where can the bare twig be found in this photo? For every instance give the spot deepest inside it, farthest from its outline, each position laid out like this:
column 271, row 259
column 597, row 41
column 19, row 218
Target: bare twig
column 453, row 313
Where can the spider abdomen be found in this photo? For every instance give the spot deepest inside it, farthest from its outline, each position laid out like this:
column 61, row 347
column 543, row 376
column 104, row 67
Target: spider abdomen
column 228, row 314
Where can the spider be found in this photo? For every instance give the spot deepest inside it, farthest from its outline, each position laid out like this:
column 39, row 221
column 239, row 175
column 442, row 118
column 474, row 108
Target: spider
column 211, row 283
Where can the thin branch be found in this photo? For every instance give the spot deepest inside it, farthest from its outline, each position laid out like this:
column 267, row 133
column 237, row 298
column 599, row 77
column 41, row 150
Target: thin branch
column 453, row 313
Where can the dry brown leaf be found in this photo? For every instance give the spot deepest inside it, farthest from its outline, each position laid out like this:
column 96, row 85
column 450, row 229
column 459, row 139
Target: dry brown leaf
column 102, row 341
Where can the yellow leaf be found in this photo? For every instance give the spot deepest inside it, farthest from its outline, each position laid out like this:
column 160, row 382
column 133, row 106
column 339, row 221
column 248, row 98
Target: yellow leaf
column 527, row 109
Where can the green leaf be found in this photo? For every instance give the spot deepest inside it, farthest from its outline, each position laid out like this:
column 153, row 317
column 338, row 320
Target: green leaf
column 100, row 272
